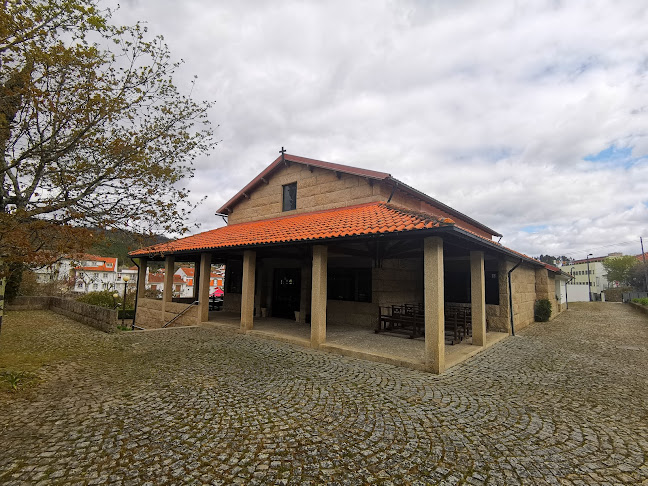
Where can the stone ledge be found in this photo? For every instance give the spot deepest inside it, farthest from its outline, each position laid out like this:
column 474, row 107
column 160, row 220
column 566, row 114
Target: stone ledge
column 639, row 307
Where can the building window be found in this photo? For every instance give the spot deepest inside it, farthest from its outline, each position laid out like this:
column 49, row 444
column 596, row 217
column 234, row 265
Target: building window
column 95, row 286
column 352, row 284
column 234, row 276
column 290, row 197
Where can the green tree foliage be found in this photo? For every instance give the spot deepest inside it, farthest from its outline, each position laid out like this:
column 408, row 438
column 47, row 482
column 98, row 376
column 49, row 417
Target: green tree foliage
column 637, row 276
column 93, row 131
column 619, row 269
column 552, row 260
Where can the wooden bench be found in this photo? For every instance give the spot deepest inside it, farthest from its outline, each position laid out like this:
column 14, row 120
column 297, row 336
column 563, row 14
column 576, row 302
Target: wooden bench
column 409, row 319
column 406, row 319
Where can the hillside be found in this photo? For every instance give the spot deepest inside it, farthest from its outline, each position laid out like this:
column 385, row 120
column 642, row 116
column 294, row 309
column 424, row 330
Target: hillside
column 117, row 243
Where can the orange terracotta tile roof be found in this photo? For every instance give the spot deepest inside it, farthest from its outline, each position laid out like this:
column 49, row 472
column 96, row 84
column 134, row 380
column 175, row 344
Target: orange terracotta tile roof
column 189, row 272
column 364, row 219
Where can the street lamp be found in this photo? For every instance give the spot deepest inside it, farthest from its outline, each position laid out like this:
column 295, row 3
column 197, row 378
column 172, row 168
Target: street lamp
column 589, row 281
column 571, row 272
column 115, row 297
column 126, row 278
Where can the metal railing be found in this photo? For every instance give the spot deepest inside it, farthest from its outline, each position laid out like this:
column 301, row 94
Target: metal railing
column 196, row 302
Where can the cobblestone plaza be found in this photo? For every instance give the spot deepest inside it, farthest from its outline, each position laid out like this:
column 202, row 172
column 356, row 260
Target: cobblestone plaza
column 564, row 402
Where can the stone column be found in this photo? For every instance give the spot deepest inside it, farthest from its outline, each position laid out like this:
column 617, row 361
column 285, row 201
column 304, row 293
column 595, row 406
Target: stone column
column 247, row 290
column 478, row 297
column 167, row 293
column 203, row 275
column 318, row 295
column 434, row 306
column 504, row 308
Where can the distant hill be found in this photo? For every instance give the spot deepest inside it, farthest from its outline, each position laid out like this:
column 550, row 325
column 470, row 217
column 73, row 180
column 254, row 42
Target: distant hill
column 117, row 243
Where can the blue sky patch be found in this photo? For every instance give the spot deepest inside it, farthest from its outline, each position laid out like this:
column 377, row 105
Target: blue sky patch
column 621, row 156
column 535, row 228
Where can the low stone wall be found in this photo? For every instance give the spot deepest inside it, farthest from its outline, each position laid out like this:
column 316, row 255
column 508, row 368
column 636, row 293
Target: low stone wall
column 150, row 316
column 357, row 314
column 149, row 313
column 98, row 317
column 639, row 307
column 29, row 303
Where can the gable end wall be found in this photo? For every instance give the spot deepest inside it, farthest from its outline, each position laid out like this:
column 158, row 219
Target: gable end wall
column 321, row 189
column 316, row 190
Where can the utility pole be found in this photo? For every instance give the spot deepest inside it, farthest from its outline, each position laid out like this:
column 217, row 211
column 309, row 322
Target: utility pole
column 643, row 255
column 589, row 280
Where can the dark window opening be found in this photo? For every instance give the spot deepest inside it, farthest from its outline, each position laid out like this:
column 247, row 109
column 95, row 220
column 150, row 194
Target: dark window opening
column 352, row 284
column 457, row 287
column 290, row 197
column 492, row 288
column 234, row 277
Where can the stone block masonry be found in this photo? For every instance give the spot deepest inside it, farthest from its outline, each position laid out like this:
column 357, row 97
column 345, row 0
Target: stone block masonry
column 150, row 314
column 105, row 320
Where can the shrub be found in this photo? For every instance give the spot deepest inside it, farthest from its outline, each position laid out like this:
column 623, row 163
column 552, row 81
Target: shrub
column 642, row 301
column 126, row 314
column 542, row 310
column 101, row 299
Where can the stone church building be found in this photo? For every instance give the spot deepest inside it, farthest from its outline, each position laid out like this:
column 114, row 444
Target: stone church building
column 319, row 243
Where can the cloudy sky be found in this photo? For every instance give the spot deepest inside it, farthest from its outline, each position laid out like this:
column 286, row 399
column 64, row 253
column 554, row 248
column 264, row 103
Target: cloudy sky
column 531, row 117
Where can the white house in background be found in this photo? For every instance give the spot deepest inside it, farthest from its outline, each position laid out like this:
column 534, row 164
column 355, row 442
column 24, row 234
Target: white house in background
column 183, row 281
column 92, row 273
column 154, row 281
column 595, row 276
column 84, row 273
column 126, row 275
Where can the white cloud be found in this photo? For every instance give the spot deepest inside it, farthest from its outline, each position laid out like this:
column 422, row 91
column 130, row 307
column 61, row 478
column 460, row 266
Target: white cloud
column 490, row 108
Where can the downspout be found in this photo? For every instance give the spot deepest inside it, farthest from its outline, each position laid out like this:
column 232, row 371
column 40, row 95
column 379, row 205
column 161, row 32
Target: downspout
column 511, row 295
column 133, row 326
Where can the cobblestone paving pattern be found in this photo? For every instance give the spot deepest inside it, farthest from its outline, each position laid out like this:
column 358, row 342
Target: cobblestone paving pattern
column 564, row 402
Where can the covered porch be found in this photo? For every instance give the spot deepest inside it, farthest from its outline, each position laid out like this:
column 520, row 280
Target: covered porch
column 316, row 296
column 354, row 342
column 328, row 290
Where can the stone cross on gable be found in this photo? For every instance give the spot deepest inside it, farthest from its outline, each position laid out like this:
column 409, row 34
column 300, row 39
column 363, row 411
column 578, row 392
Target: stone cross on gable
column 282, row 152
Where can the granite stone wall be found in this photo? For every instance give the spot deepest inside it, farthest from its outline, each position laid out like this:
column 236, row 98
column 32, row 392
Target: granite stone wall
column 150, row 314
column 98, row 317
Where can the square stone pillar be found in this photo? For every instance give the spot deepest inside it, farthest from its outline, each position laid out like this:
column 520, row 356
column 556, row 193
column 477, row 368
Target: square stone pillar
column 434, row 306
column 503, row 268
column 478, row 297
column 318, row 295
column 247, row 290
column 305, row 292
column 141, row 277
column 167, row 292
column 202, row 276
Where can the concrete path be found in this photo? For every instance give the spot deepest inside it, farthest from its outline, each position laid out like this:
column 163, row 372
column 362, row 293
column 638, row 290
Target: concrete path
column 564, row 402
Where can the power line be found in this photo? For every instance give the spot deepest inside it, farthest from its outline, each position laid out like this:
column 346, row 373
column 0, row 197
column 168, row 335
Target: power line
column 600, row 247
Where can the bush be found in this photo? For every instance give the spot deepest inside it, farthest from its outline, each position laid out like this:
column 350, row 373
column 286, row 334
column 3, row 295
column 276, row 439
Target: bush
column 101, row 299
column 126, row 314
column 642, row 301
column 542, row 310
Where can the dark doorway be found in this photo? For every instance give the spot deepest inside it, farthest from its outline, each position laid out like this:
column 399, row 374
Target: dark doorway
column 286, row 292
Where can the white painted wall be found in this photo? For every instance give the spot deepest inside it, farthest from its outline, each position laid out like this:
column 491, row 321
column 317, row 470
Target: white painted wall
column 577, row 293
